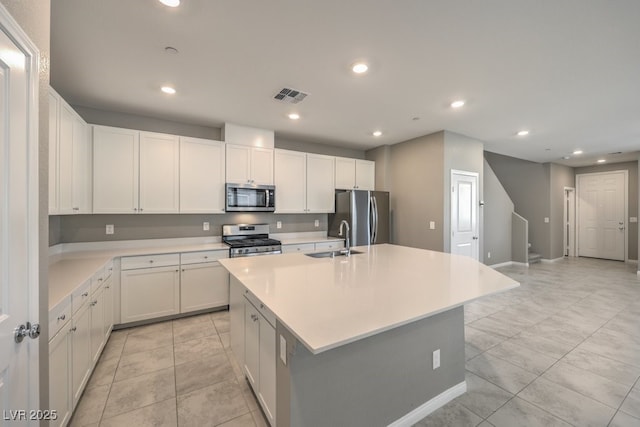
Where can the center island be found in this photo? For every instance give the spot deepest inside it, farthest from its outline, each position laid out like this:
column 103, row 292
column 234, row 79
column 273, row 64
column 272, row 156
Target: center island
column 373, row 339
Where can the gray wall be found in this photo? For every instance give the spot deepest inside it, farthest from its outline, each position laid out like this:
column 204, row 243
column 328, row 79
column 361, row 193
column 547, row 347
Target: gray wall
column 632, row 167
column 464, row 154
column 559, row 177
column 417, row 179
column 312, row 147
column 497, row 209
column 527, row 183
column 34, row 17
column 91, row 228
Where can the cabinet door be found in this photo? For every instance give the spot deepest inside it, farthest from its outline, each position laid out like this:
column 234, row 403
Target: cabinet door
column 320, row 183
column 202, row 175
column 149, row 292
column 238, row 163
column 303, row 248
column 108, row 307
column 290, row 181
column 252, row 345
column 267, row 369
column 261, row 166
column 97, row 323
column 65, row 160
column 115, row 170
column 365, row 175
column 54, row 109
column 81, row 175
column 203, row 286
column 81, row 351
column 59, row 376
column 159, row 173
column 345, row 173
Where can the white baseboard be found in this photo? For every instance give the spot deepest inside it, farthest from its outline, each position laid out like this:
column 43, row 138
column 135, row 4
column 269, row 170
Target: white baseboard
column 501, row 264
column 548, row 261
column 632, row 261
column 428, row 407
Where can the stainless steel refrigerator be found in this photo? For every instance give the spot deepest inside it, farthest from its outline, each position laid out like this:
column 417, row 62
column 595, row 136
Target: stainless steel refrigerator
column 367, row 213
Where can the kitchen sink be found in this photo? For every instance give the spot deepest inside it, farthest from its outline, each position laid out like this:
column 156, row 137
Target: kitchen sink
column 331, row 254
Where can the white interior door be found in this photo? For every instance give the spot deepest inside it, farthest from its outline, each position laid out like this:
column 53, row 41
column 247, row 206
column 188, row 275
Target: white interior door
column 18, row 219
column 602, row 200
column 569, row 221
column 464, row 214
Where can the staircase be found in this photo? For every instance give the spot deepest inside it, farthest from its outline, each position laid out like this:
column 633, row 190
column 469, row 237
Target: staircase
column 533, row 257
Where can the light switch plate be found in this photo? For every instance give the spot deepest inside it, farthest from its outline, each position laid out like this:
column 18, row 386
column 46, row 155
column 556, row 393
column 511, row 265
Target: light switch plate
column 633, row 219
column 283, row 349
column 279, row 224
column 436, row 359
column 109, row 229
column 205, row 226
column 546, row 219
column 432, row 225
column 316, row 223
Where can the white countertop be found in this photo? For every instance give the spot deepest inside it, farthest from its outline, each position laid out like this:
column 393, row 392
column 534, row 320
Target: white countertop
column 329, row 302
column 70, row 265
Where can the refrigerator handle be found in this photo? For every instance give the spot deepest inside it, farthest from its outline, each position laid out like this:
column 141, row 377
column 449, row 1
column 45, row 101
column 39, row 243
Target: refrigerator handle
column 375, row 219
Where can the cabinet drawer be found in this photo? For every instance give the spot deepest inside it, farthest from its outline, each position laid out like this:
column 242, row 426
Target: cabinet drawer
column 303, row 248
column 266, row 313
column 96, row 281
column 203, row 256
column 329, row 246
column 108, row 271
column 59, row 315
column 146, row 261
column 80, row 296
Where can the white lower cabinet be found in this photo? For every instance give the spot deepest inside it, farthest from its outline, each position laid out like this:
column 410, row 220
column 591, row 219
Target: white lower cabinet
column 108, row 307
column 60, row 376
column 260, row 359
column 203, row 286
column 150, row 292
column 97, row 323
column 81, row 354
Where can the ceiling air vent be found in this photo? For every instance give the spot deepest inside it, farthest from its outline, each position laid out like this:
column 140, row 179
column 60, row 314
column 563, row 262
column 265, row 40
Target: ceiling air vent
column 290, row 96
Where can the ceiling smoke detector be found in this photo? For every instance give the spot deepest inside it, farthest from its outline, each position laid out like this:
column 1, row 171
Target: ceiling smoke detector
column 291, row 96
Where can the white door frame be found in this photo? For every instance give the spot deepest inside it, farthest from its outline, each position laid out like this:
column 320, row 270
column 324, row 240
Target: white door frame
column 626, row 208
column 475, row 210
column 31, row 204
column 569, row 222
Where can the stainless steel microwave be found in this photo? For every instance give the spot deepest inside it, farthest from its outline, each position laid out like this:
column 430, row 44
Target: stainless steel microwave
column 250, row 198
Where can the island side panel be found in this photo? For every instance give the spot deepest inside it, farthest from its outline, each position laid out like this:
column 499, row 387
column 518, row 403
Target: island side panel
column 373, row 381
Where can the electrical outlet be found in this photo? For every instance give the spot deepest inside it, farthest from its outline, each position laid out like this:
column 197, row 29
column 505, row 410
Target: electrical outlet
column 109, row 229
column 278, row 224
column 633, row 219
column 436, row 359
column 488, row 254
column 205, row 226
column 432, row 225
column 546, row 219
column 316, row 223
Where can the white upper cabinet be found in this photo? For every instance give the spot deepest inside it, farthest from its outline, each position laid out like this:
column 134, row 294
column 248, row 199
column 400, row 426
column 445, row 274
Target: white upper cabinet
column 290, row 180
column 304, row 182
column 202, row 175
column 354, row 174
column 69, row 159
column 249, row 165
column 320, row 183
column 115, row 170
column 159, row 173
column 135, row 172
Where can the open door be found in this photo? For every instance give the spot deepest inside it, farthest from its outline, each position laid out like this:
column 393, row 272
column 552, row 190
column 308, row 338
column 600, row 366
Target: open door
column 464, row 214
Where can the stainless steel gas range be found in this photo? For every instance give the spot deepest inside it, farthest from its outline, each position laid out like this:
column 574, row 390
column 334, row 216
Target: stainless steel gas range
column 249, row 240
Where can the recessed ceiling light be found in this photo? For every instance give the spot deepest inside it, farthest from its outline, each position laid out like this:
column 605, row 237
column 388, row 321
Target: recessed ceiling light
column 170, row 3
column 457, row 104
column 577, row 152
column 377, row 133
column 168, row 89
column 360, row 68
column 523, row 133
column 294, row 116
column 601, row 160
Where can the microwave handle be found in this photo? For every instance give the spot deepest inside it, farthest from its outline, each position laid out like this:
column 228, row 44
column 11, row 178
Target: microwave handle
column 268, row 194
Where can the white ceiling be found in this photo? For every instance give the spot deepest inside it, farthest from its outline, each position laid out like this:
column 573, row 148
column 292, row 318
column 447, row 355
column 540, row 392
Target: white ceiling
column 569, row 71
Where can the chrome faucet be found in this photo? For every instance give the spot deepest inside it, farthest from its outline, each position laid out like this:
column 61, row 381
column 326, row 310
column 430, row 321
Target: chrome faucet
column 347, row 249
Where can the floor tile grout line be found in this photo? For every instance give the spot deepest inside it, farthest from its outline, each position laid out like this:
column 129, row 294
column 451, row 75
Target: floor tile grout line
column 112, row 379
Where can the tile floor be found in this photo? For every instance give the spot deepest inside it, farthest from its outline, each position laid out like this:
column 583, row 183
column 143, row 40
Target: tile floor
column 562, row 349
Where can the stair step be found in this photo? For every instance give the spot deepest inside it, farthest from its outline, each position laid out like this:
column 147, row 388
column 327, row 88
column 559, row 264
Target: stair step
column 534, row 258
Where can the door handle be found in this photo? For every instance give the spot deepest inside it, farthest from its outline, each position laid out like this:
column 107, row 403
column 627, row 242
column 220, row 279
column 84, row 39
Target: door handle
column 475, row 237
column 28, row 330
